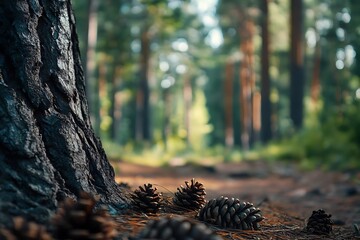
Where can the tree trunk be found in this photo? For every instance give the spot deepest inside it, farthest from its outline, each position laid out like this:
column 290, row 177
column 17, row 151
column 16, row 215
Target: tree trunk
column 256, row 119
column 143, row 94
column 315, row 83
column 115, row 109
column 247, row 81
column 228, row 95
column 165, row 131
column 297, row 81
column 187, row 93
column 102, row 92
column 91, row 83
column 48, row 149
column 266, row 133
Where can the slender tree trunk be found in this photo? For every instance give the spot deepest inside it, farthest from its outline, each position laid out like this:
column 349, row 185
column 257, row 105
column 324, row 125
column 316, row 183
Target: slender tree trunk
column 244, row 111
column 229, row 129
column 297, row 80
column 48, row 149
column 103, row 111
column 247, row 79
column 187, row 92
column 143, row 95
column 166, row 117
column 315, row 83
column 145, row 62
column 266, row 111
column 91, row 84
column 256, row 119
column 252, row 102
column 138, row 118
column 115, row 109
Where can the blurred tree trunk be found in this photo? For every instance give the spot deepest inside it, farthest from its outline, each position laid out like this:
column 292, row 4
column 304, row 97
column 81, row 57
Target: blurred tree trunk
column 166, row 117
column 297, row 81
column 115, row 108
column 48, row 149
column 143, row 93
column 315, row 83
column 266, row 111
column 228, row 95
column 247, row 78
column 91, row 84
column 102, row 89
column 256, row 119
column 187, row 92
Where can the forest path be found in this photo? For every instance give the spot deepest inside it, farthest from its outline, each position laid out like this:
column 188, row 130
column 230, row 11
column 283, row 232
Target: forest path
column 277, row 184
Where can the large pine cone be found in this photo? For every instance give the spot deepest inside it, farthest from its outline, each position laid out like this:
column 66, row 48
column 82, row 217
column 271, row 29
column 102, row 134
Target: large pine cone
column 231, row 213
column 178, row 229
column 78, row 220
column 146, row 199
column 23, row 230
column 319, row 223
column 191, row 196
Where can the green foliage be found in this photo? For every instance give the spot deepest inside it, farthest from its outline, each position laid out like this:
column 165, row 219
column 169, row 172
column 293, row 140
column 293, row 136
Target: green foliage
column 332, row 145
column 199, row 122
column 176, row 154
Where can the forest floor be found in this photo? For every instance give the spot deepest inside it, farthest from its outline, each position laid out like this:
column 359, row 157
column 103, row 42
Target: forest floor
column 286, row 195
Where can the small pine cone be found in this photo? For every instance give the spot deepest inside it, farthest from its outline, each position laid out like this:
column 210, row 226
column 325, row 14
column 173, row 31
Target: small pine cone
column 176, row 228
column 319, row 223
column 191, row 196
column 78, row 220
column 231, row 213
column 23, row 230
column 146, row 199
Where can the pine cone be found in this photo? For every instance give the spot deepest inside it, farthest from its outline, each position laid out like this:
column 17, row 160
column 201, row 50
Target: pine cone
column 78, row 220
column 231, row 213
column 178, row 229
column 23, row 230
column 319, row 223
column 192, row 196
column 146, row 199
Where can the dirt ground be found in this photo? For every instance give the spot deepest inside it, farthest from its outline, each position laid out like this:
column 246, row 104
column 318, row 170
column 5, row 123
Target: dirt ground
column 286, row 195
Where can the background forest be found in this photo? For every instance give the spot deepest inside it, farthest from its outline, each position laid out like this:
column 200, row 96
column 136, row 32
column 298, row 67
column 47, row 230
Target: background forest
column 207, row 81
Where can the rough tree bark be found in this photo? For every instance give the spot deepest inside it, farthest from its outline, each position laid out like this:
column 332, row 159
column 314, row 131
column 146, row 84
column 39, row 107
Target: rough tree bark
column 48, row 149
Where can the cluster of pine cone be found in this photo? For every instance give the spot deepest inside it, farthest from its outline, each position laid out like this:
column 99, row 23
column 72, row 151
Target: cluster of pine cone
column 81, row 220
column 191, row 197
column 22, row 229
column 75, row 220
column 224, row 212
